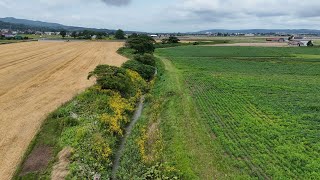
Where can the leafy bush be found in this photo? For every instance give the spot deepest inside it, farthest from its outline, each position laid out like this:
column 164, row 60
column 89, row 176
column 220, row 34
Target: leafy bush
column 113, row 78
column 127, row 52
column 170, row 40
column 145, row 71
column 141, row 44
column 147, row 59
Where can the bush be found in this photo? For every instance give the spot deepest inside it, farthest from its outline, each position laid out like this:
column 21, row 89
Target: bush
column 145, row 71
column 147, row 59
column 141, row 44
column 171, row 40
column 113, row 78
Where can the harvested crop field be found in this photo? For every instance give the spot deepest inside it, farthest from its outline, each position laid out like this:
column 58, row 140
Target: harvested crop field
column 36, row 78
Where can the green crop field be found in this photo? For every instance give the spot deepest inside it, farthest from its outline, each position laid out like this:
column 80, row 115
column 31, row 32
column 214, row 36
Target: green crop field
column 260, row 108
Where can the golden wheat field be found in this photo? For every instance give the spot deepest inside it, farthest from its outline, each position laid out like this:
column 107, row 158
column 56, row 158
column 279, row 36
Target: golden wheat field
column 35, row 79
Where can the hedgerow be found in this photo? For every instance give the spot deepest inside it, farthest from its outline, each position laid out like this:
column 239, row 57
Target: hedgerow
column 145, row 71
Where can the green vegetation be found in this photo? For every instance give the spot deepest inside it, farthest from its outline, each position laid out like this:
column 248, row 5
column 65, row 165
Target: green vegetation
column 127, row 52
column 200, row 42
column 145, row 71
column 141, row 44
column 120, row 34
column 170, row 40
column 254, row 112
column 147, row 59
column 117, row 79
column 63, row 34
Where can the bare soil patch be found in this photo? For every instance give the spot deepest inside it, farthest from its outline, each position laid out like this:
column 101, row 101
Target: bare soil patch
column 37, row 160
column 60, row 170
column 36, row 78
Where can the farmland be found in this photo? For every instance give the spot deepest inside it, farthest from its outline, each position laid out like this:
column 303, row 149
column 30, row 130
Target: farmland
column 241, row 112
column 36, row 78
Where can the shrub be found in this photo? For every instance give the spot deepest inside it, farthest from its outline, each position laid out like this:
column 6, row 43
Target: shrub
column 116, row 121
column 147, row 59
column 170, row 40
column 145, row 71
column 113, row 78
column 141, row 44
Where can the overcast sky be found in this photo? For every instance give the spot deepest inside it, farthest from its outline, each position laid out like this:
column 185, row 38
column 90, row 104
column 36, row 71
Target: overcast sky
column 169, row 15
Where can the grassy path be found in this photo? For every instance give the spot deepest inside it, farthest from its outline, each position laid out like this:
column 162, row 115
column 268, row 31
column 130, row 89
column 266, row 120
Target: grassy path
column 189, row 144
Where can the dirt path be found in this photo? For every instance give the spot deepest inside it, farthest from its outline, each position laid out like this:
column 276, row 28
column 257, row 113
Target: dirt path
column 36, row 78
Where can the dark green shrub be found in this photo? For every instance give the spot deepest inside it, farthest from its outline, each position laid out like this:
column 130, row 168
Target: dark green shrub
column 170, row 40
column 147, row 59
column 113, row 78
column 145, row 71
column 141, row 44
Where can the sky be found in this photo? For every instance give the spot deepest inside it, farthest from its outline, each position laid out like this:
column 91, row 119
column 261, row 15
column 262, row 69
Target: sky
column 169, row 15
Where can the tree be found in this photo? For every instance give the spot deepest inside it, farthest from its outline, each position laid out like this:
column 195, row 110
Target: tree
column 310, row 44
column 134, row 35
column 173, row 39
column 74, row 34
column 120, row 34
column 63, row 34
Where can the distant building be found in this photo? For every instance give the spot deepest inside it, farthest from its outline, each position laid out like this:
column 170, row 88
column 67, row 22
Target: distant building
column 249, row 35
column 38, row 33
column 49, row 33
column 8, row 35
column 153, row 35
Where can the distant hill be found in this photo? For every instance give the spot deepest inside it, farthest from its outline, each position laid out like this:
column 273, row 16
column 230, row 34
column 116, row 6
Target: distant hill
column 46, row 26
column 22, row 27
column 264, row 31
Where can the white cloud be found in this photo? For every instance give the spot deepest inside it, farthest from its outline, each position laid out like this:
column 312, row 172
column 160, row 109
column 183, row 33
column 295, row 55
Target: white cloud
column 169, row 15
